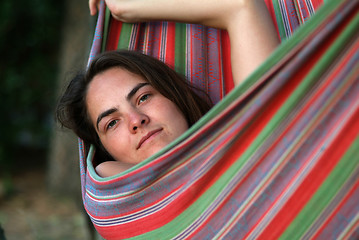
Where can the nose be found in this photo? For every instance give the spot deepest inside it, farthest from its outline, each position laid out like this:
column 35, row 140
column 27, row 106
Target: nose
column 137, row 120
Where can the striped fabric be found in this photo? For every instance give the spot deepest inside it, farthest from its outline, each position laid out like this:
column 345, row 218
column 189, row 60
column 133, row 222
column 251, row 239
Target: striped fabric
column 290, row 14
column 193, row 50
column 277, row 157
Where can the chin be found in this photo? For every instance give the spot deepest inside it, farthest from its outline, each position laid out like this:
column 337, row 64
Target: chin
column 153, row 150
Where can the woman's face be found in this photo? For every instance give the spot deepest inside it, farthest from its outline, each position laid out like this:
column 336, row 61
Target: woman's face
column 132, row 119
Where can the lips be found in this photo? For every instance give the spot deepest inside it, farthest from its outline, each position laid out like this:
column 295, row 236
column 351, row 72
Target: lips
column 147, row 136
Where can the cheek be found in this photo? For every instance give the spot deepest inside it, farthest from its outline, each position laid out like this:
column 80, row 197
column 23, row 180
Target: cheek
column 175, row 118
column 116, row 145
column 181, row 124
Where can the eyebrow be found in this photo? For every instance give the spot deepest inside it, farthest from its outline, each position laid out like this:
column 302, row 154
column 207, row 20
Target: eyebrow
column 135, row 89
column 128, row 97
column 105, row 114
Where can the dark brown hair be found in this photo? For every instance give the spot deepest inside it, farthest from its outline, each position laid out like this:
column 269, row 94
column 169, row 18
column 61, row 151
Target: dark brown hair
column 71, row 110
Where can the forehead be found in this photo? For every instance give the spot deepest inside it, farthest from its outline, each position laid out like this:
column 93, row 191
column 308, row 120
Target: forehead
column 110, row 88
column 112, row 80
column 116, row 76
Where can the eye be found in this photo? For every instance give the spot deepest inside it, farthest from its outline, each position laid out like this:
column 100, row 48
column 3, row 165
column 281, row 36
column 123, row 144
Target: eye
column 111, row 124
column 143, row 98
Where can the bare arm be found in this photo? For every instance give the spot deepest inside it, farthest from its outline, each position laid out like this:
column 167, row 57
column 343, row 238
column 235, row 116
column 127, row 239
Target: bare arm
column 252, row 34
column 253, row 38
column 111, row 168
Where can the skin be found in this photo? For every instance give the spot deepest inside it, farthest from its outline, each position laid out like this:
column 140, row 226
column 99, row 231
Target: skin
column 132, row 119
column 251, row 31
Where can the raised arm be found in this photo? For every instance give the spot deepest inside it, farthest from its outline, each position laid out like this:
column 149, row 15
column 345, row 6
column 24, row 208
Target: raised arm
column 250, row 28
column 253, row 38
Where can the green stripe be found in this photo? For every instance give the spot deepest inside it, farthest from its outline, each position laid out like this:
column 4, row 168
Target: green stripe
column 280, row 53
column 325, row 194
column 276, row 57
column 293, row 100
column 297, row 10
column 105, row 29
column 342, row 172
column 126, row 31
column 180, row 223
column 180, row 48
column 190, row 214
column 285, row 110
column 279, row 19
column 195, row 210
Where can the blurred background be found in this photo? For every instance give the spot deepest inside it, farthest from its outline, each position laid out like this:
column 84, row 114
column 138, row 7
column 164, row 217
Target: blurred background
column 43, row 43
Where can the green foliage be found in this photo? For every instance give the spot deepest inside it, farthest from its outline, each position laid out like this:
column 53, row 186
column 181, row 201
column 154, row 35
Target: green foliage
column 29, row 45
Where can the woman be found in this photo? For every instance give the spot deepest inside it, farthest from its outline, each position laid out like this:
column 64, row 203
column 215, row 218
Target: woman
column 123, row 108
column 129, row 105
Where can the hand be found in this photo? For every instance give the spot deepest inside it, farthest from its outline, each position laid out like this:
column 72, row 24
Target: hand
column 123, row 10
column 94, row 6
column 207, row 12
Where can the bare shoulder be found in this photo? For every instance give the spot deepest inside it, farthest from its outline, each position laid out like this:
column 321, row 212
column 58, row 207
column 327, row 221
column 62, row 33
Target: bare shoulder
column 111, row 168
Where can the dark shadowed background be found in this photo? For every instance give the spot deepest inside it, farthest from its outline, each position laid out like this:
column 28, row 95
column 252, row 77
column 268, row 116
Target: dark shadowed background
column 42, row 44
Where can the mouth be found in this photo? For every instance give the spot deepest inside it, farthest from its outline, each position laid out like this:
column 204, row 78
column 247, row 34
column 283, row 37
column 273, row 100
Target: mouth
column 148, row 136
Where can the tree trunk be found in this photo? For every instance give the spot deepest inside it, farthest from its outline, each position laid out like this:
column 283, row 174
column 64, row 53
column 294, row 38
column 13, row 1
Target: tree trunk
column 63, row 166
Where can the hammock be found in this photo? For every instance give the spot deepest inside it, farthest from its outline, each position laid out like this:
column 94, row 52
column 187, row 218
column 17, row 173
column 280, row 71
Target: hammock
column 277, row 157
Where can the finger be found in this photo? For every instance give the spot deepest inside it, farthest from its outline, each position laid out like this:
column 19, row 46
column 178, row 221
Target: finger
column 93, row 6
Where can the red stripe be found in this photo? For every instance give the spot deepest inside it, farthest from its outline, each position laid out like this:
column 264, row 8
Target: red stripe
column 353, row 231
column 175, row 208
column 170, row 44
column 252, row 132
column 226, row 61
column 190, row 56
column 317, row 3
column 113, row 34
column 302, row 10
column 261, row 120
column 158, row 41
column 290, row 14
column 350, row 195
column 155, row 39
column 301, row 74
column 267, row 114
column 181, row 202
column 231, row 156
column 270, row 7
column 241, row 146
column 220, row 66
column 313, row 181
